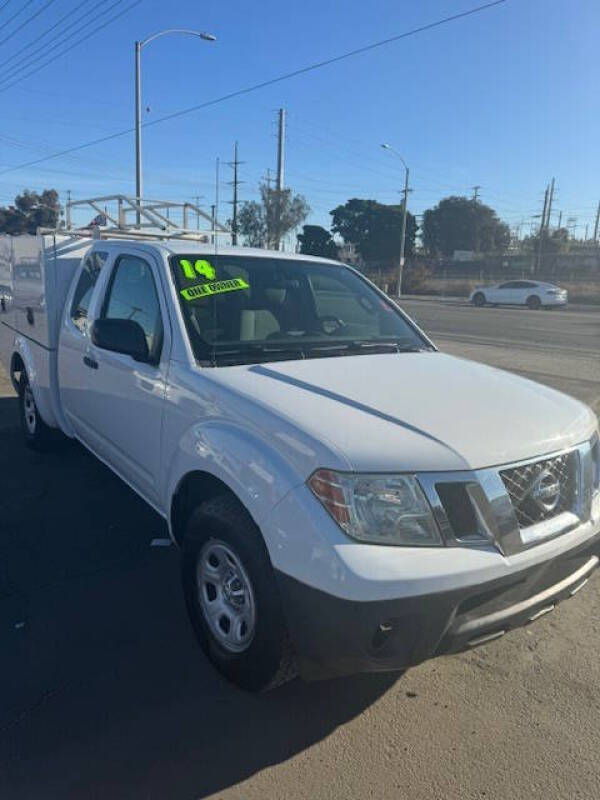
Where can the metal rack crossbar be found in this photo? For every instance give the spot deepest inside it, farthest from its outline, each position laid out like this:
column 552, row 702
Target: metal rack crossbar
column 155, row 219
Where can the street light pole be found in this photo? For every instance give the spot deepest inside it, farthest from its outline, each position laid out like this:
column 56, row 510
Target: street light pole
column 138, row 131
column 207, row 37
column 404, row 214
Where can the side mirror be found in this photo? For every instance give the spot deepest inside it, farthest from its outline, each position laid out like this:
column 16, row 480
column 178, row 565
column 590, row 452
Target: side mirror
column 121, row 336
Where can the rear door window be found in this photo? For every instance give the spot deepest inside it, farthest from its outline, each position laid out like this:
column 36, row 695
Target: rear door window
column 92, row 266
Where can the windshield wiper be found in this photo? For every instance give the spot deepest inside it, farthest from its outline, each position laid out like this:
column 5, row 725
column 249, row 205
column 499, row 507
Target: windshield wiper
column 367, row 345
column 254, row 352
column 257, row 352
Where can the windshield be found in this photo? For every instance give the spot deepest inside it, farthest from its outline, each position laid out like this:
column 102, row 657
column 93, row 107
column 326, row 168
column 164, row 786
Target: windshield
column 240, row 310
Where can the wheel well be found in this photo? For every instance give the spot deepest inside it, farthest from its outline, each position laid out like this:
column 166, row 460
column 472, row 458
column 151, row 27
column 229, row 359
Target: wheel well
column 16, row 367
column 193, row 489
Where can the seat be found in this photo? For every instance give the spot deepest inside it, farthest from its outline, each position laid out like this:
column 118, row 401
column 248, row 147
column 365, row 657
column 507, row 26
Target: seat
column 258, row 324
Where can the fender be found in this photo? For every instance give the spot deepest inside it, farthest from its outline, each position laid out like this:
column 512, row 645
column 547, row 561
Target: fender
column 37, row 369
column 259, row 473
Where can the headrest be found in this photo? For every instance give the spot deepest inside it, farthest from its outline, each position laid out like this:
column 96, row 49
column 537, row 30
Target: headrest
column 275, row 295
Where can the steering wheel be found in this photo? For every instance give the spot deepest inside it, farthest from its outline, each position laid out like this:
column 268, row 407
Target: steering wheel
column 330, row 324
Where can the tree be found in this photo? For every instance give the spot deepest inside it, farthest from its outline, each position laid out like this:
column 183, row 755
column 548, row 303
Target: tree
column 265, row 223
column 30, row 211
column 317, row 241
column 552, row 242
column 460, row 223
column 375, row 229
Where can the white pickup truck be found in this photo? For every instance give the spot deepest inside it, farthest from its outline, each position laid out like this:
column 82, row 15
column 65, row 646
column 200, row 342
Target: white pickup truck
column 346, row 498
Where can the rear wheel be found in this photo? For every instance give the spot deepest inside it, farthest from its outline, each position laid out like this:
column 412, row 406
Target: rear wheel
column 232, row 597
column 479, row 299
column 534, row 302
column 37, row 434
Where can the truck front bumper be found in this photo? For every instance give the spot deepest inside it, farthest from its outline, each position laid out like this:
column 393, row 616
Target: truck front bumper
column 335, row 636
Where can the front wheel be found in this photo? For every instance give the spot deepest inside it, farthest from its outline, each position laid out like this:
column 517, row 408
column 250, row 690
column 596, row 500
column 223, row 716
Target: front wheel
column 534, row 302
column 232, row 596
column 479, row 299
column 38, row 436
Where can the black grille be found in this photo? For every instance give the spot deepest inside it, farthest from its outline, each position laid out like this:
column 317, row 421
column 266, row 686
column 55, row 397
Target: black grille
column 543, row 489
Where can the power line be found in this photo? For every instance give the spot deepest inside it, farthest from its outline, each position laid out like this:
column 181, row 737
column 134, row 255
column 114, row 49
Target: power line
column 60, row 38
column 3, row 6
column 257, row 86
column 14, row 16
column 27, row 46
column 27, row 22
column 15, row 72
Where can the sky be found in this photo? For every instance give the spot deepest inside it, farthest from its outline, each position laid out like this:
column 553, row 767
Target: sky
column 505, row 99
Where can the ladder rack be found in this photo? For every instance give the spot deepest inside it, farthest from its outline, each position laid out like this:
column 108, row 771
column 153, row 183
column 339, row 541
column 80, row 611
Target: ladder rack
column 152, row 219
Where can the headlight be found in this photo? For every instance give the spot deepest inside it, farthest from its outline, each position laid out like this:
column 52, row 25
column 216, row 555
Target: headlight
column 379, row 509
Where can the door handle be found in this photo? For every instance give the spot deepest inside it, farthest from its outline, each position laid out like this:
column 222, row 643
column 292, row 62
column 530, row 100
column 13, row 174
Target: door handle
column 90, row 362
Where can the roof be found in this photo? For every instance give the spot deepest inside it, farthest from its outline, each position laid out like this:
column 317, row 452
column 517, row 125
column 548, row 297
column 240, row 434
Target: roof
column 184, row 246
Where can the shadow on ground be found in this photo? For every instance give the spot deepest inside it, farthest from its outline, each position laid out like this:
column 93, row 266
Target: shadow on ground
column 103, row 691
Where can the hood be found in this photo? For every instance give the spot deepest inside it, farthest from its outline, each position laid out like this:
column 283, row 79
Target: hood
column 416, row 411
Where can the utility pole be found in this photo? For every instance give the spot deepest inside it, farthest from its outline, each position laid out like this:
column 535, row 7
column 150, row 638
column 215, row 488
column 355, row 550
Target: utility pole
column 550, row 199
column 216, row 193
column 69, row 210
column 197, row 213
column 268, row 179
column 403, row 236
column 476, row 193
column 597, row 223
column 538, row 260
column 235, row 183
column 280, row 149
column 280, row 171
column 560, row 218
column 213, row 222
column 586, row 232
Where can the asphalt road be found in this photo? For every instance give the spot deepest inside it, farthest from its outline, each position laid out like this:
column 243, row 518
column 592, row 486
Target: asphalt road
column 104, row 694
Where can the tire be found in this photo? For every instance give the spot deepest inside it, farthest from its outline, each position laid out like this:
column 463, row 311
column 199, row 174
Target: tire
column 534, row 302
column 226, row 563
column 38, row 436
column 479, row 299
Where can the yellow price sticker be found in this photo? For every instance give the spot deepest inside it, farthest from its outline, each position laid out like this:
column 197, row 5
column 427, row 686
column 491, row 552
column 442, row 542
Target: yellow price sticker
column 209, row 289
column 199, row 267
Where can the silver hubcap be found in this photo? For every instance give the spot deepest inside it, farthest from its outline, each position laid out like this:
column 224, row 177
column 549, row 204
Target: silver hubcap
column 226, row 596
column 29, row 408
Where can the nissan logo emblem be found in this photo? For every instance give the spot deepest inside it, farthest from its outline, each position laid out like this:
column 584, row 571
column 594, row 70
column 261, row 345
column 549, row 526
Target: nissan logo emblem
column 546, row 491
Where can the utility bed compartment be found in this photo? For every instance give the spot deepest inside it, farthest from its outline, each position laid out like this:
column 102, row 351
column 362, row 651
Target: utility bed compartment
column 35, row 274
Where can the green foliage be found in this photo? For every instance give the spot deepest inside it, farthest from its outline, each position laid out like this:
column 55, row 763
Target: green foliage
column 458, row 223
column 251, row 224
column 265, row 223
column 374, row 228
column 317, row 241
column 552, row 242
column 30, row 211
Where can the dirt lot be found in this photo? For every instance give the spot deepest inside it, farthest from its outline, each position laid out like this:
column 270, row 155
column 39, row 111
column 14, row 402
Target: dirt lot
column 104, row 693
